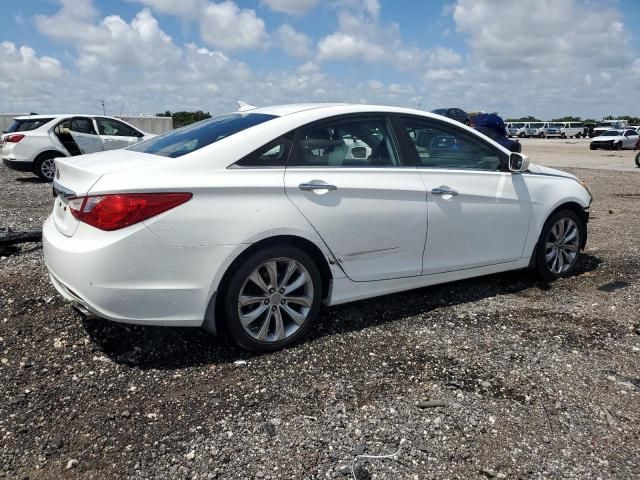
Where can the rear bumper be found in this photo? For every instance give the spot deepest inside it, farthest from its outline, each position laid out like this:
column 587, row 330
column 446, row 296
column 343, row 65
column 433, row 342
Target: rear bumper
column 19, row 165
column 131, row 276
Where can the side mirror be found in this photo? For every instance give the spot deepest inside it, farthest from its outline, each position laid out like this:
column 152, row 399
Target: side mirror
column 518, row 163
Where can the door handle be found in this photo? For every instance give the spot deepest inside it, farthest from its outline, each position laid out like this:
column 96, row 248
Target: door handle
column 444, row 190
column 316, row 185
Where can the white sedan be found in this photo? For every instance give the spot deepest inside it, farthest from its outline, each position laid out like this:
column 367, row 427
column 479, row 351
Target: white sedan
column 616, row 140
column 31, row 142
column 257, row 218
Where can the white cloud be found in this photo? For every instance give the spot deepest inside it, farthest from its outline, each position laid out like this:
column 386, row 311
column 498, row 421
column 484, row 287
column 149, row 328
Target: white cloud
column 342, row 46
column 226, row 26
column 292, row 7
column 294, row 43
column 222, row 24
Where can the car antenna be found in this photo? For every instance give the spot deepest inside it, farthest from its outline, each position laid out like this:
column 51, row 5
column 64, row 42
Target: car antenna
column 244, row 106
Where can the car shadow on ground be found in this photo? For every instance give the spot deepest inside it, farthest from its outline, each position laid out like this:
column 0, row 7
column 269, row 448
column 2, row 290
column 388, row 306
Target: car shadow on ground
column 32, row 180
column 174, row 348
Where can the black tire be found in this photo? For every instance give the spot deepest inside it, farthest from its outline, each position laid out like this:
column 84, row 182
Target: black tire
column 237, row 281
column 578, row 135
column 538, row 261
column 591, row 147
column 638, row 160
column 618, row 146
column 562, row 135
column 41, row 164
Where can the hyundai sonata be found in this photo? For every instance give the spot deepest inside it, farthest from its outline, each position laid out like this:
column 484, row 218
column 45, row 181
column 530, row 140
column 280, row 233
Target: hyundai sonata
column 257, row 218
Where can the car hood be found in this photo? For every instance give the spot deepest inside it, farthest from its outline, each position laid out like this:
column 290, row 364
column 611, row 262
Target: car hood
column 542, row 170
column 603, row 138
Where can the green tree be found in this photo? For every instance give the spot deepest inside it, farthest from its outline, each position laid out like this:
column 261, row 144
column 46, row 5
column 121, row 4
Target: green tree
column 523, row 119
column 567, row 118
column 180, row 119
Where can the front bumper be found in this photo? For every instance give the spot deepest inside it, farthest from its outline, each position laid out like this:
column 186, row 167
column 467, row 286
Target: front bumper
column 18, row 165
column 132, row 276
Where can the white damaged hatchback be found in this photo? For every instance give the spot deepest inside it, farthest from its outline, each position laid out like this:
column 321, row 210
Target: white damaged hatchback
column 257, row 218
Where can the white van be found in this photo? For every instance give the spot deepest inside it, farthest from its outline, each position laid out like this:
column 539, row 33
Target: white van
column 516, row 129
column 606, row 125
column 535, row 129
column 572, row 129
column 553, row 129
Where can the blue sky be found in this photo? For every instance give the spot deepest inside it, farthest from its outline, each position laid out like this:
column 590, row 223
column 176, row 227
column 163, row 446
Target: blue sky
column 540, row 57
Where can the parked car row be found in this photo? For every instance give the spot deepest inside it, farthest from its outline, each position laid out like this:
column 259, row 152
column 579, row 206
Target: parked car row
column 545, row 129
column 31, row 143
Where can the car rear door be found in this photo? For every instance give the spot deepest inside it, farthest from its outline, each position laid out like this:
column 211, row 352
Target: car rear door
column 368, row 206
column 478, row 213
column 78, row 135
column 115, row 134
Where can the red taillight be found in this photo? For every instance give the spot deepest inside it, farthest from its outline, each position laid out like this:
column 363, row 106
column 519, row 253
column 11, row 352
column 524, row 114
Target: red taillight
column 14, row 138
column 114, row 211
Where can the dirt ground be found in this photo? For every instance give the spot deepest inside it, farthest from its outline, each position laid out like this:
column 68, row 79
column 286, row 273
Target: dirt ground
column 575, row 153
column 495, row 377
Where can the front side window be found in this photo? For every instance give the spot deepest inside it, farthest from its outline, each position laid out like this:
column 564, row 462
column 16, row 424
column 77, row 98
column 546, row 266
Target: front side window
column 110, row 127
column 198, row 135
column 439, row 146
column 358, row 142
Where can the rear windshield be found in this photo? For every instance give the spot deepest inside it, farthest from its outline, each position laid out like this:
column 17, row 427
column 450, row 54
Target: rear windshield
column 26, row 125
column 193, row 137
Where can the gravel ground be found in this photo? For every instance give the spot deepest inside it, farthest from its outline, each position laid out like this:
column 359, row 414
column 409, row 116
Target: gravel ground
column 496, row 377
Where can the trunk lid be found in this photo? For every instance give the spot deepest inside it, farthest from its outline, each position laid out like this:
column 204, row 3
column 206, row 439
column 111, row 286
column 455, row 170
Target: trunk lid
column 75, row 176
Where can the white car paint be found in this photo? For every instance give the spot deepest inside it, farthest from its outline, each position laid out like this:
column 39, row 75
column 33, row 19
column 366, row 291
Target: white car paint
column 381, row 231
column 623, row 139
column 22, row 154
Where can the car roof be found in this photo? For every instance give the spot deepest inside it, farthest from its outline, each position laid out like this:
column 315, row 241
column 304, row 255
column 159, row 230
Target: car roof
column 60, row 116
column 330, row 109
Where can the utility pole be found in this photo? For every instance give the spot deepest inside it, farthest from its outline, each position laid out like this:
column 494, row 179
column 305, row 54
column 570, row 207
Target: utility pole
column 102, row 102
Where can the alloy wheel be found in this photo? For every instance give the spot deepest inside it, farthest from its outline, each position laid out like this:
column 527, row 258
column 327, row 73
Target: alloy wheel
column 48, row 168
column 275, row 300
column 562, row 245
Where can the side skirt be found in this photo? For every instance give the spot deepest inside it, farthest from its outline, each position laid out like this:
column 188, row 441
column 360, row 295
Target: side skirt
column 344, row 290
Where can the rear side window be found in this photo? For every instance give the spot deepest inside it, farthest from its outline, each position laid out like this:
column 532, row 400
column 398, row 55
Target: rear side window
column 27, row 125
column 273, row 154
column 358, row 142
column 82, row 125
column 193, row 137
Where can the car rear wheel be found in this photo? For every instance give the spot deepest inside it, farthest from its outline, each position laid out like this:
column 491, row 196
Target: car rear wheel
column 618, row 146
column 638, row 160
column 578, row 135
column 559, row 245
column 273, row 299
column 45, row 166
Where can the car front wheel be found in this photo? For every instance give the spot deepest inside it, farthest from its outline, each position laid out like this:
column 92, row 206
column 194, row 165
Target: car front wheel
column 273, row 299
column 559, row 245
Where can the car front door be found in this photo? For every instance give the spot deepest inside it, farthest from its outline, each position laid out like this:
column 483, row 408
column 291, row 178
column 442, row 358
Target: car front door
column 116, row 134
column 478, row 213
column 84, row 135
column 630, row 139
column 348, row 179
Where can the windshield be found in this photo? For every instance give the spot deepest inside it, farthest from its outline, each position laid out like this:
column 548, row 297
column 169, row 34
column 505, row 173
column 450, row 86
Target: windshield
column 27, row 124
column 606, row 124
column 535, row 125
column 193, row 137
column 556, row 125
column 517, row 125
column 611, row 133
